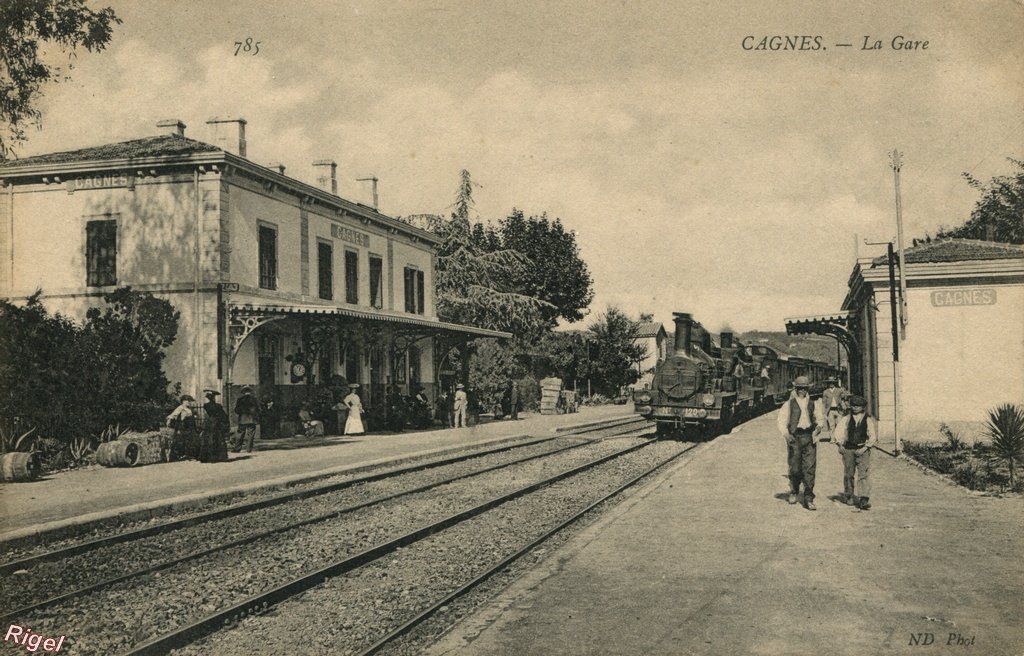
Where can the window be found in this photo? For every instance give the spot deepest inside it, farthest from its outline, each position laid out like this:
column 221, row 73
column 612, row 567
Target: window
column 352, row 355
column 376, row 282
column 266, row 359
column 420, row 293
column 101, row 253
column 351, row 277
column 414, row 367
column 268, row 257
column 400, row 367
column 414, row 291
column 324, row 365
column 325, row 266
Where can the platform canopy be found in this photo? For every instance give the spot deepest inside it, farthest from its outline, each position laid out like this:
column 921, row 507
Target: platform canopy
column 835, row 324
column 241, row 310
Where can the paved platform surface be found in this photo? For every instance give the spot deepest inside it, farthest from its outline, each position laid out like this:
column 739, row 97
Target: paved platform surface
column 711, row 559
column 70, row 499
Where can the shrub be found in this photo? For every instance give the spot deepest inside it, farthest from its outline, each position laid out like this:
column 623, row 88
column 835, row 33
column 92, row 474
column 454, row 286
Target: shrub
column 67, row 380
column 953, row 440
column 529, row 394
column 1006, row 428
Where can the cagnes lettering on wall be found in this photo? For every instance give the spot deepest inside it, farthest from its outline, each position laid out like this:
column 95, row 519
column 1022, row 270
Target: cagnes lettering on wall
column 101, row 181
column 963, row 297
column 350, row 235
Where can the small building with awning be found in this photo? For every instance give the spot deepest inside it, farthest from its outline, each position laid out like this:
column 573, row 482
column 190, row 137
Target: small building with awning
column 280, row 285
column 961, row 350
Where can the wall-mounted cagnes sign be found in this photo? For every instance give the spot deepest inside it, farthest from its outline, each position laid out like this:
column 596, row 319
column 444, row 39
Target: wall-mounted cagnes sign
column 101, row 181
column 962, row 297
column 350, row 235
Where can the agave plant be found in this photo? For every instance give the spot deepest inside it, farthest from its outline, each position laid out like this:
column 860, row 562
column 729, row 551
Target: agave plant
column 1006, row 428
column 112, row 432
column 78, row 449
column 10, row 441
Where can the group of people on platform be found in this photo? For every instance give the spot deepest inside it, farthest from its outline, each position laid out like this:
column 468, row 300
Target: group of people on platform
column 837, row 417
column 208, row 443
column 208, row 437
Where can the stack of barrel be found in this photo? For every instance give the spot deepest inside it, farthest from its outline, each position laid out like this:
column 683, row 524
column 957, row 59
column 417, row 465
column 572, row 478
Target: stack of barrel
column 550, row 388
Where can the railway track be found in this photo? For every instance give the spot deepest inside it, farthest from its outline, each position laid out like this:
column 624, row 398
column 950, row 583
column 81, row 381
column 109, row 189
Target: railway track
column 378, row 565
column 64, row 558
column 366, row 606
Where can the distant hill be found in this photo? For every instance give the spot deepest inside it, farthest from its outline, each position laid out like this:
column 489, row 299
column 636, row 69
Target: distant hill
column 814, row 347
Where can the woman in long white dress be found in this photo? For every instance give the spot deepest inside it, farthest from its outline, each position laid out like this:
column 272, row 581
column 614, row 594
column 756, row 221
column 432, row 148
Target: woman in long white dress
column 354, row 423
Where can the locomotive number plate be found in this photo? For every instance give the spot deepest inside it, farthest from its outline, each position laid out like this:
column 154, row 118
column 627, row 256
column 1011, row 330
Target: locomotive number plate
column 694, row 412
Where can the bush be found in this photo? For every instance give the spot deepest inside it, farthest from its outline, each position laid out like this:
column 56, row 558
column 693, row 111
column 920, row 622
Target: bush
column 596, row 399
column 1006, row 428
column 68, row 380
column 529, row 394
column 953, row 440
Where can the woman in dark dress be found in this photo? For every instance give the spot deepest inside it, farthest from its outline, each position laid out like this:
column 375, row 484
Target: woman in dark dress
column 214, row 446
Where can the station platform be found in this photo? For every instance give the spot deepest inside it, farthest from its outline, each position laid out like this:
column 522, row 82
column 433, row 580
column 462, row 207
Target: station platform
column 711, row 559
column 68, row 503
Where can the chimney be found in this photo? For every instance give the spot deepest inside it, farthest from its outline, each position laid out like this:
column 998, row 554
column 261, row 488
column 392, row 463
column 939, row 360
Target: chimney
column 726, row 338
column 177, row 127
column 684, row 326
column 226, row 137
column 325, row 182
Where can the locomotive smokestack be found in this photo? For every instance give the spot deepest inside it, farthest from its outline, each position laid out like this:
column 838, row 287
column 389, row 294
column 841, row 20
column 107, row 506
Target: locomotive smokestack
column 684, row 328
column 726, row 338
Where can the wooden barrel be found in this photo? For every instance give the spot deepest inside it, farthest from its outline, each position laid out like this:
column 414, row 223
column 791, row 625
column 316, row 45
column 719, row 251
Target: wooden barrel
column 119, row 453
column 18, row 466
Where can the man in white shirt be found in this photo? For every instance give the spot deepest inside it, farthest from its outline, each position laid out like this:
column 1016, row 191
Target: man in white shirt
column 460, row 406
column 855, row 435
column 832, row 399
column 799, row 421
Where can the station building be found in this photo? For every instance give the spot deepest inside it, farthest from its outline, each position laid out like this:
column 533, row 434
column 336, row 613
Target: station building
column 281, row 285
column 961, row 352
column 652, row 336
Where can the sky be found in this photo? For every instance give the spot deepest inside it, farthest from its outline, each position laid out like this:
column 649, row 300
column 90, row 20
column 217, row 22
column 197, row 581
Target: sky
column 698, row 175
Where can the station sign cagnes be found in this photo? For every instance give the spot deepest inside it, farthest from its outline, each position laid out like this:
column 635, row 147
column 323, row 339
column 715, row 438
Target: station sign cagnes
column 101, row 181
column 963, row 297
column 350, row 235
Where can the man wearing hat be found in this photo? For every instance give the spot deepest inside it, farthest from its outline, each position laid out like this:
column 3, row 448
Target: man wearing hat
column 855, row 435
column 832, row 399
column 799, row 421
column 248, row 411
column 460, row 406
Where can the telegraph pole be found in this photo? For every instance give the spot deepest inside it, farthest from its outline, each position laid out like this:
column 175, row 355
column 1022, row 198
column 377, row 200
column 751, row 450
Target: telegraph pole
column 894, row 320
column 897, row 163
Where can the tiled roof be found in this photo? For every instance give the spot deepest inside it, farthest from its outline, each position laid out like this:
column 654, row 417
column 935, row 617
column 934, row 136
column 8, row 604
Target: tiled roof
column 162, row 145
column 957, row 250
column 649, row 329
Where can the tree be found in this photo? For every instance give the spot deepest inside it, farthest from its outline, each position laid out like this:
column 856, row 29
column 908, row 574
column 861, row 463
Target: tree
column 474, row 285
column 130, row 336
column 556, row 274
column 25, row 25
column 999, row 213
column 615, row 351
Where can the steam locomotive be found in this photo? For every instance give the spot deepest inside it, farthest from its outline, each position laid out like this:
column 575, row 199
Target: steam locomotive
column 704, row 388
